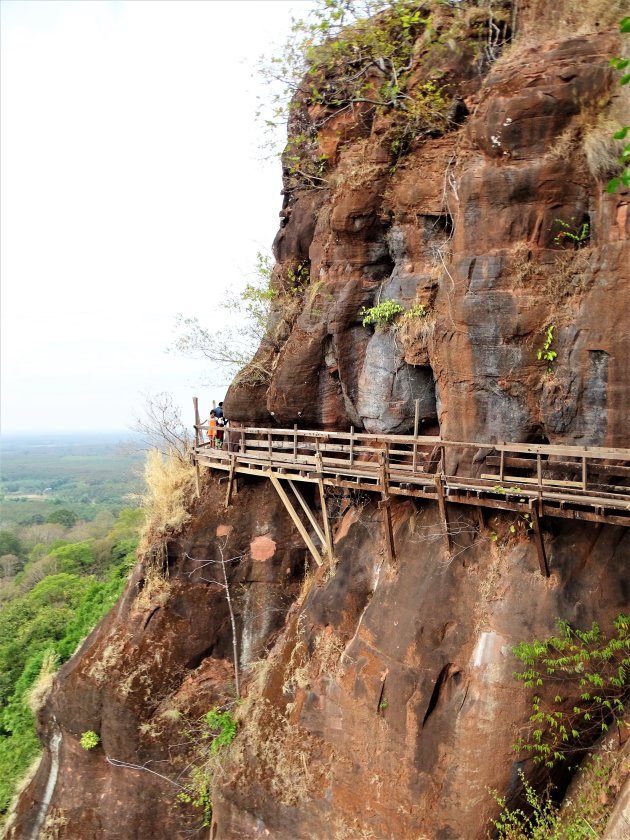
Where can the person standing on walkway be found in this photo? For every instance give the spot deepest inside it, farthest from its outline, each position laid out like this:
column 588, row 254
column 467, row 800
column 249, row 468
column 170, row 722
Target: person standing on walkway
column 212, row 429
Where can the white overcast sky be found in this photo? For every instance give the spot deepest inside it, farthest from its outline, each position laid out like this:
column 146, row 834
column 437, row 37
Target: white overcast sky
column 132, row 188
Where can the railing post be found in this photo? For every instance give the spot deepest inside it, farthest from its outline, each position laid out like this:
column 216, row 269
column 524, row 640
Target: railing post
column 539, row 470
column 197, row 422
column 416, row 420
column 295, row 443
column 415, row 457
column 351, row 446
column 269, row 443
column 583, row 472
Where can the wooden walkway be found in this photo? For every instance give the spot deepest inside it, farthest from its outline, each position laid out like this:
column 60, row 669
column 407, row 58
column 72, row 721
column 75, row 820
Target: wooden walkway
column 570, row 482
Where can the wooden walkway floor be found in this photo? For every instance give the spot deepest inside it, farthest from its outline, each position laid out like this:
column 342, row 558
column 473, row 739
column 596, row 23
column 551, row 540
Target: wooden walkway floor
column 570, row 482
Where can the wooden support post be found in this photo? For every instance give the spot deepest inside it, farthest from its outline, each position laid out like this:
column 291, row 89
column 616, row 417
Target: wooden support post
column 296, row 519
column 197, row 422
column 351, row 446
column 416, row 419
column 384, row 481
column 295, row 443
column 539, row 470
column 415, row 457
column 481, row 519
column 502, row 466
column 539, row 543
column 584, row 472
column 228, row 493
column 270, row 446
column 442, row 507
column 309, row 513
column 243, row 446
column 385, row 506
column 197, row 478
column 322, row 498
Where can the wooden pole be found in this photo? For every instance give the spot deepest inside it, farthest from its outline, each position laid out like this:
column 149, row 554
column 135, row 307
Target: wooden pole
column 296, row 519
column 416, row 421
column 539, row 543
column 295, row 443
column 309, row 513
column 197, row 479
column 442, row 507
column 322, row 498
column 197, row 422
column 228, row 494
column 351, row 446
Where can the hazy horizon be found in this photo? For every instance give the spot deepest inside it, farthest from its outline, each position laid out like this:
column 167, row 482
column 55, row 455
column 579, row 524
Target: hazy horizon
column 133, row 188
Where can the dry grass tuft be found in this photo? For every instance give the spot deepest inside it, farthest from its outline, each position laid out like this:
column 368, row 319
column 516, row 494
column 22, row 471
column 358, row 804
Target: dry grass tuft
column 169, row 486
column 276, row 754
column 601, row 149
column 39, row 691
column 155, row 591
column 572, row 17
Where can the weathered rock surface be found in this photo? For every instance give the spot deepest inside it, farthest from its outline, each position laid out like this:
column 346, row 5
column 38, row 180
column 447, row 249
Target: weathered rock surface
column 386, row 706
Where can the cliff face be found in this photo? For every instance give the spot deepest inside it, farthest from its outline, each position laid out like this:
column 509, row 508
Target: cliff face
column 385, row 704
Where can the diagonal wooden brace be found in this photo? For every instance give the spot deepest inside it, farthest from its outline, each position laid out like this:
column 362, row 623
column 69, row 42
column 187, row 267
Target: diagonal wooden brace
column 296, row 519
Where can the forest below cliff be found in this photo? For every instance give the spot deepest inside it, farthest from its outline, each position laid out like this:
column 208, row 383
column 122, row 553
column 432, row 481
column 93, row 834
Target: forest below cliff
column 68, row 535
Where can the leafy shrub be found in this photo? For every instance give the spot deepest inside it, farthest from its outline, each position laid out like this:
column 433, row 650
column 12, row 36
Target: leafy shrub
column 546, row 353
column 381, row 314
column 223, row 728
column 584, row 662
column 89, row 740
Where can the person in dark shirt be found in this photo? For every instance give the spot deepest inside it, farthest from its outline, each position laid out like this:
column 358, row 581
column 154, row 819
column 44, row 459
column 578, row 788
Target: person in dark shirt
column 219, row 410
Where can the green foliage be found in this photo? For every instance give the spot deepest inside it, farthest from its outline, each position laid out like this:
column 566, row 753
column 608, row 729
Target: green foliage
column 213, row 737
column 424, row 112
column 222, row 728
column 417, row 311
column 546, row 353
column 47, row 623
column 570, row 232
column 621, row 64
column 583, row 663
column 62, row 516
column 349, row 53
column 381, row 314
column 387, row 311
column 298, row 277
column 541, row 823
column 10, row 544
column 89, row 740
column 581, row 817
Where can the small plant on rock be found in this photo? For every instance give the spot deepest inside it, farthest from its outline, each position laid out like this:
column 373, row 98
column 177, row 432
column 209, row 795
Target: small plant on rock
column 417, row 311
column 89, row 740
column 546, row 353
column 381, row 314
column 576, row 235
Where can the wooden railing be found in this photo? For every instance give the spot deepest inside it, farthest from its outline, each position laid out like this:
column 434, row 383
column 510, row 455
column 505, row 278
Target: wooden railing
column 574, row 482
column 523, row 468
